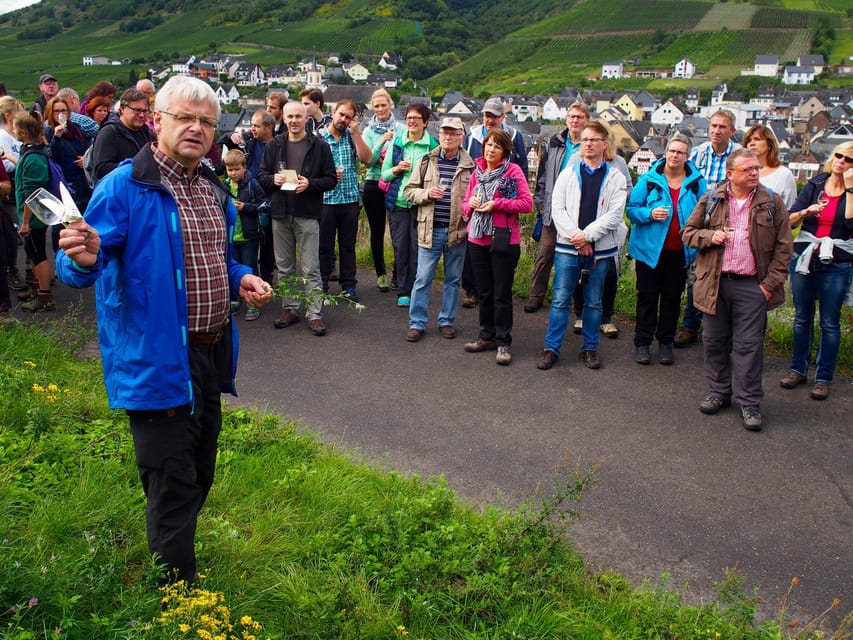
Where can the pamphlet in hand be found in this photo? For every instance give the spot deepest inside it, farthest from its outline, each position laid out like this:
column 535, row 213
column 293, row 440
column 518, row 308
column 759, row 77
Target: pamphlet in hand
column 290, row 179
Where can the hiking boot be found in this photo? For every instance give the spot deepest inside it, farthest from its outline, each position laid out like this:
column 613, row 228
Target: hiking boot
column 665, row 354
column 285, row 319
column 589, row 358
column 532, row 305
column 479, row 345
column 791, row 380
column 751, row 418
column 382, row 283
column 252, row 313
column 503, row 356
column 685, row 338
column 641, row 355
column 317, row 326
column 15, row 282
column 26, row 295
column 414, row 335
column 469, row 301
column 41, row 302
column 713, row 403
column 820, row 391
column 447, row 331
column 548, row 359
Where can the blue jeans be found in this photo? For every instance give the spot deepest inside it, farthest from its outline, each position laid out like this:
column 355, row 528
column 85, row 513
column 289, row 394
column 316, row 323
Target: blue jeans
column 567, row 271
column 826, row 284
column 427, row 262
column 246, row 252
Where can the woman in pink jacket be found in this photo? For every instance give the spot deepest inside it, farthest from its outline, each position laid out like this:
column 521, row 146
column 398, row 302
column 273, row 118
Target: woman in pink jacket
column 497, row 194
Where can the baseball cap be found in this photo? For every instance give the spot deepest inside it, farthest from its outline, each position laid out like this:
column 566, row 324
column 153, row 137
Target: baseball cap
column 494, row 106
column 45, row 77
column 452, row 123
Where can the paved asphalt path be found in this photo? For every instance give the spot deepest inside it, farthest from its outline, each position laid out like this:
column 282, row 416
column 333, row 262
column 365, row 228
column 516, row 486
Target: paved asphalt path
column 677, row 492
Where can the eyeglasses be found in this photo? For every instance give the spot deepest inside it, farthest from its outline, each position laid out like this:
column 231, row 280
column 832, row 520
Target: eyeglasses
column 753, row 169
column 60, row 110
column 414, row 118
column 586, row 140
column 138, row 111
column 676, row 152
column 841, row 156
column 186, row 119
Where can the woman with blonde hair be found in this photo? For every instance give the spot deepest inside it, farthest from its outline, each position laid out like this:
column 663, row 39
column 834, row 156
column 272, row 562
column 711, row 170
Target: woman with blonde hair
column 774, row 175
column 10, row 149
column 821, row 268
column 378, row 134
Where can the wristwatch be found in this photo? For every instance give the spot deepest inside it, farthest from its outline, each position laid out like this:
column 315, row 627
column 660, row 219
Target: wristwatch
column 848, row 189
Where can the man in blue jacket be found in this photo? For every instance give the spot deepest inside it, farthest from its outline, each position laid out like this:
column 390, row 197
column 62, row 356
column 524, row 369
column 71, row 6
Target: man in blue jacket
column 156, row 245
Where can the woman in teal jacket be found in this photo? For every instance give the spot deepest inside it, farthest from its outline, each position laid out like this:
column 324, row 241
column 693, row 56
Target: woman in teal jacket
column 144, row 346
column 660, row 204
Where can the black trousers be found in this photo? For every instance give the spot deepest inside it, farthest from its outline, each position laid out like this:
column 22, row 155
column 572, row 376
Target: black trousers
column 494, row 273
column 377, row 216
column 176, row 457
column 659, row 298
column 341, row 221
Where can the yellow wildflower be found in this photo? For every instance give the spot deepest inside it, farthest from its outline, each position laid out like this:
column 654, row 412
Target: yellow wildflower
column 30, row 363
column 52, row 388
column 183, row 628
column 38, row 388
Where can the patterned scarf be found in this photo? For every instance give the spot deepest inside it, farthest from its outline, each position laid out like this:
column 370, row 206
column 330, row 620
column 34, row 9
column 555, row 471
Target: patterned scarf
column 382, row 127
column 487, row 183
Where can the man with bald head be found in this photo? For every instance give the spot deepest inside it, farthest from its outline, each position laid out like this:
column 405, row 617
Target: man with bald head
column 297, row 168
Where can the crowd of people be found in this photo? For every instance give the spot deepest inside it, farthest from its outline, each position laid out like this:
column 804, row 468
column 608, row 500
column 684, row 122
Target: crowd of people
column 457, row 198
column 182, row 229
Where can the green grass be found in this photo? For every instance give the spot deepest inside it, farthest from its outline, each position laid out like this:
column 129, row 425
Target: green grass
column 306, row 540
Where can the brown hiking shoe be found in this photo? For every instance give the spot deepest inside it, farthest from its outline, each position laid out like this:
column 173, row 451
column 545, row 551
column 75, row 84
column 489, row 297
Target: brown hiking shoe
column 42, row 302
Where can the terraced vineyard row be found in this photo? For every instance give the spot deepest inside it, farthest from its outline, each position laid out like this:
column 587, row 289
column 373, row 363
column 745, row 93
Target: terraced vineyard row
column 731, row 47
column 768, row 18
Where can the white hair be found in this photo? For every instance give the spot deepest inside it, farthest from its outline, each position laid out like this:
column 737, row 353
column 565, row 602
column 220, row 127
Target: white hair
column 189, row 89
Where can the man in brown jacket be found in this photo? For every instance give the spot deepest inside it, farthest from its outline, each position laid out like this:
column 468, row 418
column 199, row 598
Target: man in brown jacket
column 743, row 236
column 437, row 187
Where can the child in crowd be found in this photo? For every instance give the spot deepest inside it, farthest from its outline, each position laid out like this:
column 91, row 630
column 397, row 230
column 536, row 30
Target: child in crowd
column 252, row 203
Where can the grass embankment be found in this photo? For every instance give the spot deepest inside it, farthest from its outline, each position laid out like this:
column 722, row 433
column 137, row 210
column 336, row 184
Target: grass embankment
column 301, row 541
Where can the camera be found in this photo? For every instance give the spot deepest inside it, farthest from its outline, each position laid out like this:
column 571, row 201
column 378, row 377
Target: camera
column 584, row 277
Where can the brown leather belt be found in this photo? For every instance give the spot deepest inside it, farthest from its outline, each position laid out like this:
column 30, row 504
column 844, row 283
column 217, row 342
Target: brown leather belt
column 205, row 338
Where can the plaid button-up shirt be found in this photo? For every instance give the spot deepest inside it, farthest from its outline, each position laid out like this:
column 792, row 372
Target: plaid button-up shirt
column 737, row 254
column 205, row 245
column 343, row 153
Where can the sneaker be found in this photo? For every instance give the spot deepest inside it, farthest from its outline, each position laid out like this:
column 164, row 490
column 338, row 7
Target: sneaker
column 685, row 338
column 532, row 305
column 610, row 330
column 751, row 418
column 349, row 294
column 713, row 403
column 403, row 301
column 577, row 327
column 665, row 354
column 479, row 345
column 42, row 302
column 641, row 355
column 317, row 326
column 414, row 335
column 252, row 313
column 503, row 356
column 469, row 302
column 393, row 283
column 820, row 391
column 382, row 283
column 447, row 331
column 791, row 380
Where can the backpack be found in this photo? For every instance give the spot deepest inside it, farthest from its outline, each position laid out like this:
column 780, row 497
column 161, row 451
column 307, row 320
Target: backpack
column 55, row 171
column 89, row 165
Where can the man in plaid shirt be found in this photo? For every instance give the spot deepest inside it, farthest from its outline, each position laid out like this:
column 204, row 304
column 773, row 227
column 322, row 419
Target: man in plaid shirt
column 341, row 204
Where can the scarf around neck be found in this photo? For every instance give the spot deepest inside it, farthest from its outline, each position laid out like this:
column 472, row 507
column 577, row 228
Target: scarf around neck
column 487, row 184
column 383, row 127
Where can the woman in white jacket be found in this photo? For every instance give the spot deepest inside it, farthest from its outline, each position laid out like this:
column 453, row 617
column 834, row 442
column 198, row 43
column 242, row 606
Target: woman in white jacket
column 586, row 208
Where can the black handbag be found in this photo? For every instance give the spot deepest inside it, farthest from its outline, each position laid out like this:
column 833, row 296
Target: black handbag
column 500, row 240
